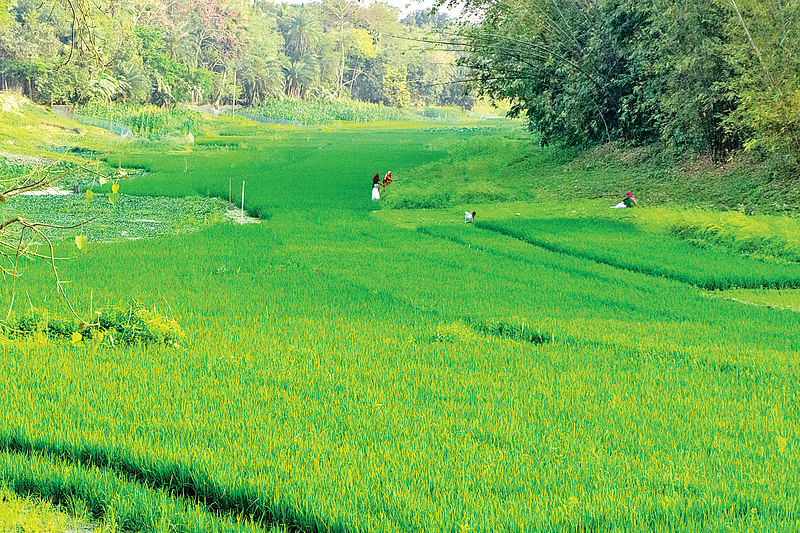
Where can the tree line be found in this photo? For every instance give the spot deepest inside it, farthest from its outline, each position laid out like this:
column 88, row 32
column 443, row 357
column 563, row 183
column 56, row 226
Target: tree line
column 224, row 51
column 699, row 75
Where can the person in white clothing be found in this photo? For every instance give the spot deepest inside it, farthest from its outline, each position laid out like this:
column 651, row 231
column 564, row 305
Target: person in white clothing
column 469, row 217
column 376, row 182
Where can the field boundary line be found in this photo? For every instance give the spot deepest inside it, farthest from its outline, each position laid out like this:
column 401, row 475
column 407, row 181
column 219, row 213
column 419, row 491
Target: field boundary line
column 565, row 250
column 176, row 480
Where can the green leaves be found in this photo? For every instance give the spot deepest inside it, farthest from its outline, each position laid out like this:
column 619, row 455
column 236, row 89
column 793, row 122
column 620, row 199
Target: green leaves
column 114, row 196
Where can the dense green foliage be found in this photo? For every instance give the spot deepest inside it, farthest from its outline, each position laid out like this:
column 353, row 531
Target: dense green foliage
column 325, row 112
column 352, row 368
column 778, row 238
column 113, row 325
column 223, row 52
column 149, row 121
column 699, row 75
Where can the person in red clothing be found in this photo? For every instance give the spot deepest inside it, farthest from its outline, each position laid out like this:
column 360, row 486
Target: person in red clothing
column 387, row 179
column 628, row 201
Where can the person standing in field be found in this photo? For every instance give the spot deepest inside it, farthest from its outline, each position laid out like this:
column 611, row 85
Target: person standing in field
column 376, row 180
column 628, row 201
column 469, row 218
column 387, row 179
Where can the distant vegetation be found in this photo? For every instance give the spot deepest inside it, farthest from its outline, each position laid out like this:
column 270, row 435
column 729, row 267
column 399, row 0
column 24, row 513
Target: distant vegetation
column 150, row 121
column 324, row 112
column 226, row 52
column 692, row 75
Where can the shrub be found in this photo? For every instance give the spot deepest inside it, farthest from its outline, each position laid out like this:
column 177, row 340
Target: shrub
column 511, row 328
column 130, row 325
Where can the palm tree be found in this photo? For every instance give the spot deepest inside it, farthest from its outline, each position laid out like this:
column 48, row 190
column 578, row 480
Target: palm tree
column 303, row 30
column 137, row 84
column 300, row 73
column 260, row 80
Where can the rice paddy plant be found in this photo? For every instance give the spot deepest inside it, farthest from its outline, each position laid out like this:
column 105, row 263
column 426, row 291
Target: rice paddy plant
column 623, row 244
column 760, row 236
column 328, row 379
column 333, row 378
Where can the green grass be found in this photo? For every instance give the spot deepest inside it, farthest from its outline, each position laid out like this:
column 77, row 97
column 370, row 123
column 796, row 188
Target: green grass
column 769, row 236
column 22, row 514
column 348, row 367
column 32, row 131
column 521, row 170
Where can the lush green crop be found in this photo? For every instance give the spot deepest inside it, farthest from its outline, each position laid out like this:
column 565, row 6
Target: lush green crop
column 150, row 121
column 623, row 244
column 765, row 236
column 318, row 112
column 340, row 373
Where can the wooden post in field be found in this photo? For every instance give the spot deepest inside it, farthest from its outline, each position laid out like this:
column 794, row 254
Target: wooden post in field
column 230, row 182
column 242, row 202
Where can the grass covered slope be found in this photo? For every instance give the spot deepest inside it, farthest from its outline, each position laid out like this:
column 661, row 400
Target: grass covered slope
column 33, row 131
column 342, row 373
column 521, row 170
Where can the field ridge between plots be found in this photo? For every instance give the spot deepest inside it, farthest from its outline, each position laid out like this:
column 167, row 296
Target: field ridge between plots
column 190, row 484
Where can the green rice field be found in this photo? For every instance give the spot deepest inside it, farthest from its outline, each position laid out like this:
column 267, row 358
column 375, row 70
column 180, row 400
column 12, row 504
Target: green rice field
column 351, row 365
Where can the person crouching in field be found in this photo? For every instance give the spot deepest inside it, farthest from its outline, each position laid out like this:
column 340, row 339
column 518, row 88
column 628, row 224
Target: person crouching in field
column 387, row 179
column 628, row 201
column 376, row 180
column 469, row 218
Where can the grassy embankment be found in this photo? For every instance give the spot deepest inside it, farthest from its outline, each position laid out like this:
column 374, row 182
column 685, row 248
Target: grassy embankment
column 346, row 369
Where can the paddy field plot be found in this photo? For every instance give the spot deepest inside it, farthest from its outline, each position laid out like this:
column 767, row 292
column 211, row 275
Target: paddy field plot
column 343, row 372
